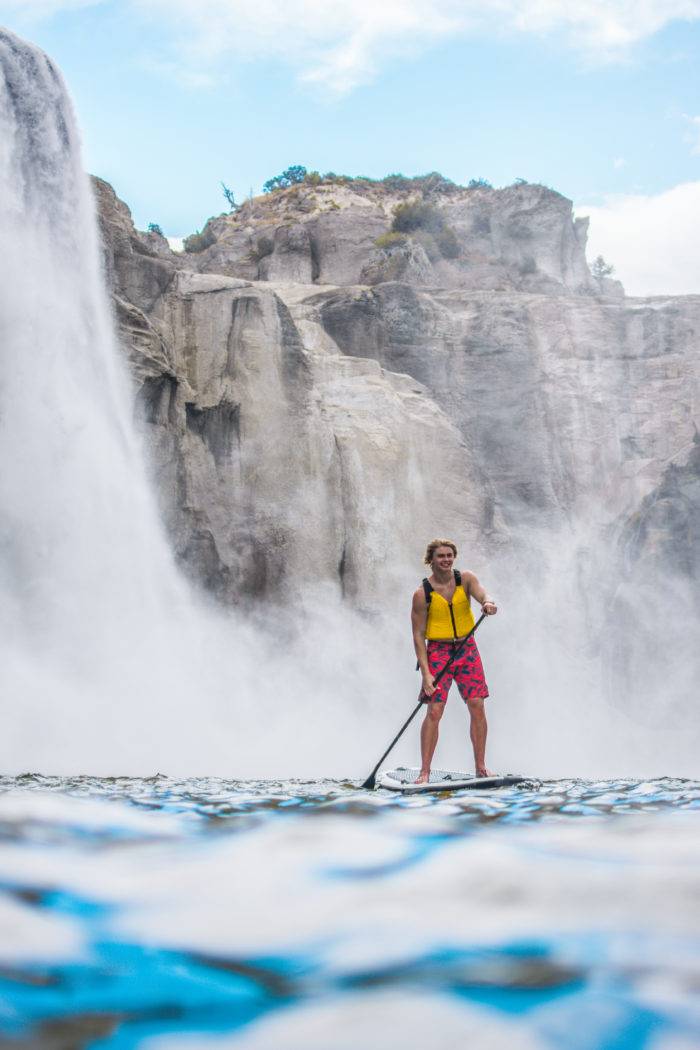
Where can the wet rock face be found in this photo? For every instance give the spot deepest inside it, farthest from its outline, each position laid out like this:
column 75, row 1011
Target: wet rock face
column 663, row 536
column 285, row 417
column 274, row 453
column 565, row 402
column 650, row 635
column 287, row 456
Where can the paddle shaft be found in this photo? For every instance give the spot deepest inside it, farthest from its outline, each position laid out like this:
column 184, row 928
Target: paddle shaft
column 371, row 779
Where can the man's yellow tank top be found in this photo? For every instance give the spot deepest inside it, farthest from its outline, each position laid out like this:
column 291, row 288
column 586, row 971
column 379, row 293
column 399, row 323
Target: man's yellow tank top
column 449, row 619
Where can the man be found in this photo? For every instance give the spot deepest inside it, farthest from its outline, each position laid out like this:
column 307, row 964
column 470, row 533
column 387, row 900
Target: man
column 442, row 614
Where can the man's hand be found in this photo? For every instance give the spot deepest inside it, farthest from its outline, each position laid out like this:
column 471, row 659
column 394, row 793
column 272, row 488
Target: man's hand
column 490, row 608
column 428, row 686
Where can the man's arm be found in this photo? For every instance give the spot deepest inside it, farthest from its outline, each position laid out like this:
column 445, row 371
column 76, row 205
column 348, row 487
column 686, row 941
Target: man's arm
column 419, row 617
column 479, row 592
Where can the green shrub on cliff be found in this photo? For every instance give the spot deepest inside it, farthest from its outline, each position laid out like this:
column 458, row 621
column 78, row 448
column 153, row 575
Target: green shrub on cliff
column 424, row 223
column 396, row 183
column 600, row 268
column 290, row 177
column 481, row 224
column 199, row 241
column 263, row 247
column 391, row 239
column 432, row 183
column 446, row 240
column 428, row 243
column 416, row 215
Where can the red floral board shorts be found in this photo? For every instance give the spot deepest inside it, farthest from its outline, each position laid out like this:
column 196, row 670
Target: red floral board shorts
column 466, row 671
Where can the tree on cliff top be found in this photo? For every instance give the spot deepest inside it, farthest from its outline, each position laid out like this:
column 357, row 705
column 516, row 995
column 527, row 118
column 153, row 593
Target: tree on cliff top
column 228, row 194
column 600, row 268
column 289, row 177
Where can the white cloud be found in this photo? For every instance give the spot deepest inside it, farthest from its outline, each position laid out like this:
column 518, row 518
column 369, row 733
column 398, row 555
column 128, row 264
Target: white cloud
column 605, row 27
column 33, row 10
column 619, row 162
column 653, row 241
column 339, row 44
column 343, row 43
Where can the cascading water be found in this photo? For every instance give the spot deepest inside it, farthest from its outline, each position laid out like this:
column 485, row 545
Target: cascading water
column 109, row 661
column 81, row 545
column 88, row 583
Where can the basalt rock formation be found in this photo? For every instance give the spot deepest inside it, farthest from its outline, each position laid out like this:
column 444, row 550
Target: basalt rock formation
column 314, row 380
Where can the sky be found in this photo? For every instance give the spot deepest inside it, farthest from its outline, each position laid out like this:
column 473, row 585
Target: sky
column 599, row 100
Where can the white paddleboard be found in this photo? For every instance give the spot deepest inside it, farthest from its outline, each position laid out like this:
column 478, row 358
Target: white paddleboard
column 403, row 779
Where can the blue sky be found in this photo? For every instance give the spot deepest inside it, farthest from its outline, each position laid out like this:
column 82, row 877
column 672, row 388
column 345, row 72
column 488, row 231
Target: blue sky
column 600, row 101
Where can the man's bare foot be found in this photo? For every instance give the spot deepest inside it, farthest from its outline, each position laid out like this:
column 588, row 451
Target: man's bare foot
column 484, row 772
column 423, row 778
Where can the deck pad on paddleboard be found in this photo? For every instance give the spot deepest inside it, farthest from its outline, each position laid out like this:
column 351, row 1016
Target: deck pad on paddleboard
column 403, row 779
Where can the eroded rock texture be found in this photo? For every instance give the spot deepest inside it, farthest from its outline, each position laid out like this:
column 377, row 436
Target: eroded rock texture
column 274, row 451
column 519, row 238
column 312, row 395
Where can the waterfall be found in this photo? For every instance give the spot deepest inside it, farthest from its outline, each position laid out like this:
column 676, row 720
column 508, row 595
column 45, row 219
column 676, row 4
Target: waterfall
column 110, row 664
column 81, row 549
column 92, row 613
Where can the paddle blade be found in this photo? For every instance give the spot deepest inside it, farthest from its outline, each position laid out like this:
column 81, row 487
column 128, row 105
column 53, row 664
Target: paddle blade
column 369, row 783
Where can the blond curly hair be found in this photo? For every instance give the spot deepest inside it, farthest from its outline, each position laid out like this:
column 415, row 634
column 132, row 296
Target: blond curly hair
column 433, row 546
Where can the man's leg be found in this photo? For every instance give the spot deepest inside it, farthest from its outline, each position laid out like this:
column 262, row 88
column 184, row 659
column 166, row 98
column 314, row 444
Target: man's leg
column 477, row 731
column 429, row 738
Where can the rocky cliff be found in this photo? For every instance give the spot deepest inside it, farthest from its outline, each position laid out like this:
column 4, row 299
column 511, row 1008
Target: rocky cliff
column 343, row 232
column 272, row 447
column 317, row 381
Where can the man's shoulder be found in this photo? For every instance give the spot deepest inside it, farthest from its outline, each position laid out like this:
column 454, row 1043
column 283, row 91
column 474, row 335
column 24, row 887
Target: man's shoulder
column 419, row 593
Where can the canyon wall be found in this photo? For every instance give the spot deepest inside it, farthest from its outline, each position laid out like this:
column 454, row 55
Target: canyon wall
column 316, row 388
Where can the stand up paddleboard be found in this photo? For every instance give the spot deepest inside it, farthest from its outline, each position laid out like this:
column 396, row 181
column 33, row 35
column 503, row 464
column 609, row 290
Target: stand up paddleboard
column 403, row 779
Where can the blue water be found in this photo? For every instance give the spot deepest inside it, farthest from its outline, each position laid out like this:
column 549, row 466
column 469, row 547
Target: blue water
column 162, row 913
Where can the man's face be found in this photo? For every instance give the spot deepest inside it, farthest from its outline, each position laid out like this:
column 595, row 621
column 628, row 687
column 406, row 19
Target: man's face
column 443, row 559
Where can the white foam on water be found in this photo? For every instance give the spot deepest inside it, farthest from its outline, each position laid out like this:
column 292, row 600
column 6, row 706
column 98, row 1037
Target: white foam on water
column 412, row 1021
column 53, row 811
column 31, row 936
column 351, row 893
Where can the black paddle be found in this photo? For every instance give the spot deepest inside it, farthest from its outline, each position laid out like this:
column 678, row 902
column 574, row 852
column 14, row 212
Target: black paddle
column 422, row 699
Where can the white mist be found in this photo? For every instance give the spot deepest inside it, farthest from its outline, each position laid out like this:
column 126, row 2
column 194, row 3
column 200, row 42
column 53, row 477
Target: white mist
column 110, row 664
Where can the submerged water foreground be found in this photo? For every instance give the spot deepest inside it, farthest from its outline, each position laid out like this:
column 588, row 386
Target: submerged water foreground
column 207, row 913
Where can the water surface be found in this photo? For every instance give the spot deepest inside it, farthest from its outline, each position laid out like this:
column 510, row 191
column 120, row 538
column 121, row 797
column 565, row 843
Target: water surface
column 166, row 913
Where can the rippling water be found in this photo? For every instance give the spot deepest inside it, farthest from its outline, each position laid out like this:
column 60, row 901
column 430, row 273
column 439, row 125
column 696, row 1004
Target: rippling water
column 165, row 913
